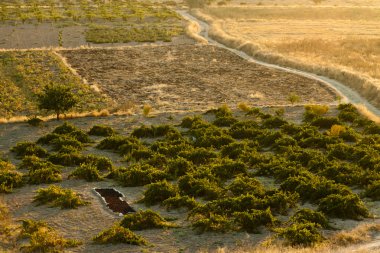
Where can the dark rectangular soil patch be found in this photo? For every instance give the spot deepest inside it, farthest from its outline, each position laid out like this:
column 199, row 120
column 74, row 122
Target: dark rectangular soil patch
column 113, row 200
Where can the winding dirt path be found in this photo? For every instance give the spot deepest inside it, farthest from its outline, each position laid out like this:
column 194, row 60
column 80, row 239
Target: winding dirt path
column 345, row 92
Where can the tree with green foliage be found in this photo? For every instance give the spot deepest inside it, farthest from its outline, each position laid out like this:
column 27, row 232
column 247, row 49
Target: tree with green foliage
column 57, row 98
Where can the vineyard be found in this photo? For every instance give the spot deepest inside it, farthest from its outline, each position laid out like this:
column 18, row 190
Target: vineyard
column 218, row 173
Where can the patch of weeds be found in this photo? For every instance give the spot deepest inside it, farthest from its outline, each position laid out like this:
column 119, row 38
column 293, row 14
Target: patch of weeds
column 177, row 202
column 139, row 175
column 118, row 234
column 158, row 192
column 147, row 219
column 23, row 149
column 242, row 185
column 345, row 207
column 301, row 234
column 306, row 215
column 43, row 238
column 211, row 223
column 179, row 166
column 100, row 130
column 373, row 191
column 86, row 171
column 251, row 221
column 35, row 121
column 59, row 197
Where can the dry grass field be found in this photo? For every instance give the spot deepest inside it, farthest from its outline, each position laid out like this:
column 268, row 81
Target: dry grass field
column 339, row 42
column 190, row 77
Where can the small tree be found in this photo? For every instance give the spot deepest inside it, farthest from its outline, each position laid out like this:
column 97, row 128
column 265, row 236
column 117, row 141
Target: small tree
column 57, row 98
column 293, row 98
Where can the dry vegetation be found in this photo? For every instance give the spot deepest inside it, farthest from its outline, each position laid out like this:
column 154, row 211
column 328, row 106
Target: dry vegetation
column 24, row 73
column 339, row 42
column 190, row 77
column 56, row 23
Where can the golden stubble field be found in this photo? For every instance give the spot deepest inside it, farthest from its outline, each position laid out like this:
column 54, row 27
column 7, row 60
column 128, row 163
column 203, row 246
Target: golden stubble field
column 340, row 40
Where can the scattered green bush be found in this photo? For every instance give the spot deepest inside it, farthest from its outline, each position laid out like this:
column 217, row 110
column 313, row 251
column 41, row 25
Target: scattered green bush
column 118, row 234
column 43, row 238
column 23, row 149
column 86, row 171
column 158, row 192
column 177, row 202
column 179, row 166
column 142, row 220
column 99, row 130
column 199, row 155
column 229, row 168
column 140, row 175
column 199, row 187
column 346, row 207
column 301, row 234
column 34, row 121
column 44, row 173
column 59, row 197
column 153, row 131
column 373, row 191
column 252, row 220
column 243, row 185
column 211, row 223
column 10, row 179
column 309, row 216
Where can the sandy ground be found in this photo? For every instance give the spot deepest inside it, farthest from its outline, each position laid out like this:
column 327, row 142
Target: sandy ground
column 46, row 35
column 188, row 77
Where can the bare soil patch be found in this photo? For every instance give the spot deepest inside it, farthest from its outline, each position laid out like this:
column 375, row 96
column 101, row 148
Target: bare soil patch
column 188, row 77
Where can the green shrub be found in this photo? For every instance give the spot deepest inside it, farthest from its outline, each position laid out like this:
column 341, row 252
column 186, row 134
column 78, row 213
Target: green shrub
column 345, row 207
column 371, row 128
column 301, row 234
column 10, row 179
column 179, row 166
column 177, row 202
column 43, row 238
column 86, row 171
column 142, row 220
column 274, row 122
column 158, row 192
column 70, row 159
column 199, row 187
column 32, row 163
column 236, row 149
column 325, row 122
column 211, row 223
column 23, row 149
column 64, row 141
column 6, row 165
column 188, row 121
column 99, row 130
column 44, row 176
column 224, row 121
column 245, row 130
column 65, row 128
column 58, row 196
column 122, row 144
column 140, row 175
column 229, row 168
column 118, row 234
column 373, row 191
column 198, row 156
column 252, row 220
column 307, row 215
column 243, row 185
column 34, row 121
